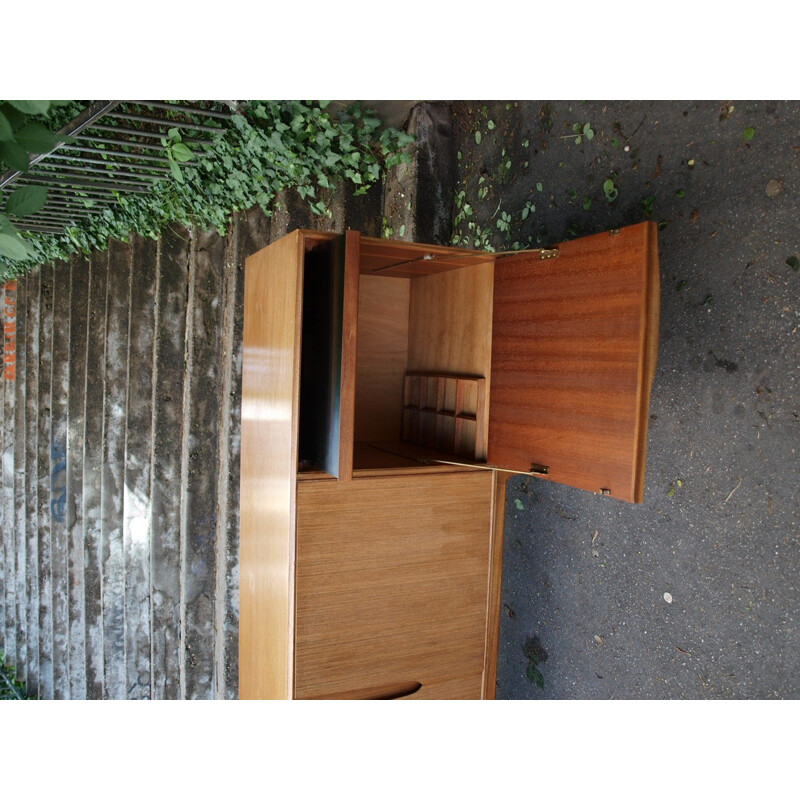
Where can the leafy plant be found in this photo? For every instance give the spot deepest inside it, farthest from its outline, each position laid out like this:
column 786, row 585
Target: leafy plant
column 270, row 147
column 504, row 223
column 528, row 210
column 22, row 133
column 177, row 153
column 580, row 131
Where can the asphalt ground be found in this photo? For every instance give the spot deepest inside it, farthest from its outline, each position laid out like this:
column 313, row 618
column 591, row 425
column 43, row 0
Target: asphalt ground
column 695, row 592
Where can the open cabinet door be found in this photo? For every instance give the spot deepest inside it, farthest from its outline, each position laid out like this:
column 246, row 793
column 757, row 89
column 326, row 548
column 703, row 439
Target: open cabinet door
column 574, row 346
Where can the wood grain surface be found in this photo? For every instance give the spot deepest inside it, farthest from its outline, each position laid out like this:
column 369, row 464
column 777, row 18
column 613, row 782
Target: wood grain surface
column 381, row 358
column 450, row 328
column 392, row 584
column 270, row 390
column 574, row 346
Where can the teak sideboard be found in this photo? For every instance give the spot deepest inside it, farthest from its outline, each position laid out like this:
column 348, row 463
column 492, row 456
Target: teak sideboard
column 389, row 391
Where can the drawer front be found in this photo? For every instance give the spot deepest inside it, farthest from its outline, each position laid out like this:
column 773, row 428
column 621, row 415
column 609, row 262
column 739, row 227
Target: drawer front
column 392, row 586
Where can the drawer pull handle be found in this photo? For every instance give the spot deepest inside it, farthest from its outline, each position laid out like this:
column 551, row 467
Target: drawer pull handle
column 392, row 691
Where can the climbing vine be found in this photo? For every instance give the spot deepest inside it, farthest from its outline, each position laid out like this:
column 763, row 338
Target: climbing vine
column 269, row 147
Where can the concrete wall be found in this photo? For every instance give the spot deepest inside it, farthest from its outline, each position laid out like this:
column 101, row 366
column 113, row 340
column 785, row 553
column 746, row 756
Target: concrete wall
column 120, row 480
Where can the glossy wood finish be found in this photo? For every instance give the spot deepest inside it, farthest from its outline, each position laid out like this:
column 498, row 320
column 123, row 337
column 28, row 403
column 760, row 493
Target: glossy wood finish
column 445, row 412
column 450, row 325
column 407, row 259
column 573, row 354
column 350, row 328
column 495, row 584
column 386, row 583
column 392, row 583
column 270, row 395
column 382, row 357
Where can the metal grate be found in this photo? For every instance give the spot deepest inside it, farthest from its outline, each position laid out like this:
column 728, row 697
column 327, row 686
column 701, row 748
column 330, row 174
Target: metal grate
column 115, row 149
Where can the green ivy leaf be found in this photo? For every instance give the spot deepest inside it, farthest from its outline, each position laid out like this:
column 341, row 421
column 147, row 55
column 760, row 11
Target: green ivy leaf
column 749, row 133
column 518, row 504
column 534, row 676
column 12, row 247
column 31, row 106
column 182, row 152
column 15, row 156
column 793, row 262
column 6, row 131
column 6, row 226
column 26, row 200
column 36, row 138
column 176, row 171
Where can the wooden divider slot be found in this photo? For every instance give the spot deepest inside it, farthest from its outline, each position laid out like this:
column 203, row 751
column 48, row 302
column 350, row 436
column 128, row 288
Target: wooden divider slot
column 443, row 412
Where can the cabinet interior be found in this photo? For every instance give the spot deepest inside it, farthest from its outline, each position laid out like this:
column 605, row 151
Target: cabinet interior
column 423, row 340
column 434, row 328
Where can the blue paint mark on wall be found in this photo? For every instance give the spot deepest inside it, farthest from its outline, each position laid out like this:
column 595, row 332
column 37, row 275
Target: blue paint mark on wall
column 58, row 481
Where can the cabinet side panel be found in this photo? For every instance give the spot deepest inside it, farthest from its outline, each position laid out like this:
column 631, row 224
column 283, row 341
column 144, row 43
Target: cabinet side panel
column 270, row 392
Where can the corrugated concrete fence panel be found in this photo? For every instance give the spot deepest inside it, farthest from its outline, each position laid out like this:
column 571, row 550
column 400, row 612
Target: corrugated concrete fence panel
column 91, row 473
column 45, row 555
column 170, row 336
column 120, row 483
column 8, row 582
column 31, row 378
column 79, row 298
column 137, row 500
column 58, row 479
column 18, row 379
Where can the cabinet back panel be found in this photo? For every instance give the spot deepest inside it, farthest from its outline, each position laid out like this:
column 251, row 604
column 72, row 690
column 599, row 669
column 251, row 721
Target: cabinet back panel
column 381, row 357
column 450, row 325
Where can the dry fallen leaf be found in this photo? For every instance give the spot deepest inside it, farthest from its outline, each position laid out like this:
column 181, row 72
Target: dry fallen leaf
column 694, row 216
column 596, row 534
column 774, row 188
column 599, row 639
column 668, row 597
column 681, row 650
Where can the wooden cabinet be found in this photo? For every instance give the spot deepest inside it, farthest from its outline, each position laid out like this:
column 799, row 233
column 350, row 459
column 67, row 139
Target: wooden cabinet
column 389, row 390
